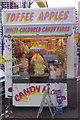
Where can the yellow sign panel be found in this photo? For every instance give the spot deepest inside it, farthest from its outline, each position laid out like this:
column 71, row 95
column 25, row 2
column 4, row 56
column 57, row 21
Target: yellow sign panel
column 2, row 61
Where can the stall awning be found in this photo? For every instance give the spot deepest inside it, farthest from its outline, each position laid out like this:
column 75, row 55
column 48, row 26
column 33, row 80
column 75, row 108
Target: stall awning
column 41, row 3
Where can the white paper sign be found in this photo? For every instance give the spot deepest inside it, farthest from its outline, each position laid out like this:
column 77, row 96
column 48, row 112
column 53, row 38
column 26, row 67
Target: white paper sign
column 25, row 95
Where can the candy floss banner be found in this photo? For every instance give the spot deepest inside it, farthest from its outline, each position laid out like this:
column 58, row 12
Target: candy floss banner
column 31, row 94
column 37, row 29
column 40, row 15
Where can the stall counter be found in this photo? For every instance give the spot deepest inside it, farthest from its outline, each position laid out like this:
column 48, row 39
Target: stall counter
column 28, row 93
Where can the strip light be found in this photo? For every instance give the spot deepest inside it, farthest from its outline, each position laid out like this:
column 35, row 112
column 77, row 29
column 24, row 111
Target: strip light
column 41, row 38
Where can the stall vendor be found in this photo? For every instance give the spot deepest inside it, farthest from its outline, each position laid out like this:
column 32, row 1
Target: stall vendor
column 52, row 71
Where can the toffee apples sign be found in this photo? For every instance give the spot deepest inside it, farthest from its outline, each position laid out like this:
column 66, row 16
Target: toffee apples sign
column 40, row 15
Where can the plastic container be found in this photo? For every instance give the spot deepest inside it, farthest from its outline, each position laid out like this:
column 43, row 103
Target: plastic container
column 59, row 106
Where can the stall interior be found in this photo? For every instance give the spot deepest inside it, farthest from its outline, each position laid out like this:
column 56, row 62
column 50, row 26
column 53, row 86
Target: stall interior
column 36, row 55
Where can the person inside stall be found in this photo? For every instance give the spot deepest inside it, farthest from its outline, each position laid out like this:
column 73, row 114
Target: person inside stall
column 24, row 64
column 52, row 70
column 31, row 68
column 46, row 68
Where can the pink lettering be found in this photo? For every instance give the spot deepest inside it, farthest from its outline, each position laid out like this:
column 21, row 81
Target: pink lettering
column 58, row 28
column 61, row 15
column 26, row 16
column 68, row 28
column 28, row 29
column 8, row 15
column 16, row 29
column 43, row 89
column 31, row 16
column 51, row 15
column 17, row 97
column 38, row 88
column 12, row 17
column 26, row 91
column 32, row 89
column 63, row 98
column 39, row 29
column 20, row 30
column 17, row 16
column 43, row 29
column 53, row 92
column 55, row 17
column 63, row 29
column 21, row 94
column 66, row 15
column 40, row 17
column 46, row 15
column 7, row 30
column 22, row 16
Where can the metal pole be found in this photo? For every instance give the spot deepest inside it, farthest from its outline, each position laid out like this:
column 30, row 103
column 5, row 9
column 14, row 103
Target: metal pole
column 29, row 3
column 2, row 41
column 10, row 4
column 24, row 3
column 2, row 28
column 1, row 4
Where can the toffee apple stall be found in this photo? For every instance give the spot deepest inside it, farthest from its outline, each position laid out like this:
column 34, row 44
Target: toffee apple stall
column 35, row 38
